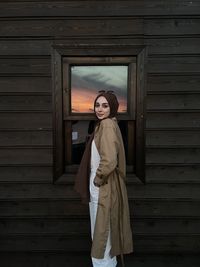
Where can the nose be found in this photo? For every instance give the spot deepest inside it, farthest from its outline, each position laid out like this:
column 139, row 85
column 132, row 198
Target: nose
column 100, row 108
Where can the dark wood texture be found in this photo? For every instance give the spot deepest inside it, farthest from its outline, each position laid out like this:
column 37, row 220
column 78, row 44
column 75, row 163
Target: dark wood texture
column 38, row 225
column 23, row 66
column 41, row 259
column 42, row 223
column 73, row 27
column 141, row 114
column 68, row 142
column 169, row 82
column 26, row 120
column 23, row 138
column 26, row 173
column 131, row 140
column 23, row 84
column 75, row 8
column 48, row 191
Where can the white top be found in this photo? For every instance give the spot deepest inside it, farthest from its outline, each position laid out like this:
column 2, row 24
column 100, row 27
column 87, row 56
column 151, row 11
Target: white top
column 94, row 164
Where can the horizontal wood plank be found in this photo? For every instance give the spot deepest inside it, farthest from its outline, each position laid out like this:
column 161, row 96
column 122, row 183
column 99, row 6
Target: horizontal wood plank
column 173, row 83
column 170, row 174
column 26, row 173
column 25, row 47
column 104, row 8
column 25, row 138
column 26, row 120
column 172, row 137
column 172, row 45
column 63, row 259
column 25, row 85
column 39, row 259
column 40, row 46
column 135, row 191
column 174, row 64
column 174, row 101
column 9, row 226
column 25, row 66
column 151, row 243
column 172, row 26
column 73, row 27
column 172, row 120
column 26, row 102
column 173, row 155
column 26, row 156
column 65, row 208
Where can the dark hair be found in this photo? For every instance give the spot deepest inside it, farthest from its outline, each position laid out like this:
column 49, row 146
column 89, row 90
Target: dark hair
column 112, row 101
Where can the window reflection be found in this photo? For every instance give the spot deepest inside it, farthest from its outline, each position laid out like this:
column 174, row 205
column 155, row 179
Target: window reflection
column 86, row 81
column 81, row 131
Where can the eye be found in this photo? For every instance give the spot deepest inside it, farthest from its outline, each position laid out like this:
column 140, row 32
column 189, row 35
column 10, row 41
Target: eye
column 96, row 105
column 105, row 105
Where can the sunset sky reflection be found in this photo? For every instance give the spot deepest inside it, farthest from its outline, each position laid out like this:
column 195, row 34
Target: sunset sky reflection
column 86, row 81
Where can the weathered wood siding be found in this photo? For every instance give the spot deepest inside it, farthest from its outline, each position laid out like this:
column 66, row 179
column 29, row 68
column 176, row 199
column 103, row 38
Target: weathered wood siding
column 36, row 215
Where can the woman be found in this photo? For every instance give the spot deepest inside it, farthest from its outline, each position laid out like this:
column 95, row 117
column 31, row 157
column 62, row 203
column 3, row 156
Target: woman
column 101, row 181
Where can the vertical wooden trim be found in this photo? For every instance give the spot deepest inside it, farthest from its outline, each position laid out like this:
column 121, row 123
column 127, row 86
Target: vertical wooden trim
column 68, row 142
column 131, row 143
column 132, row 90
column 140, row 116
column 58, row 144
column 66, row 89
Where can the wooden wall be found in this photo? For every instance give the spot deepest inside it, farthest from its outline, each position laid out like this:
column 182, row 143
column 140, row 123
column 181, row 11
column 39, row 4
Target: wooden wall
column 37, row 216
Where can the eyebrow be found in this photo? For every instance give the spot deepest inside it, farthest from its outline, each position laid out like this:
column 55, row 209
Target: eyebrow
column 102, row 103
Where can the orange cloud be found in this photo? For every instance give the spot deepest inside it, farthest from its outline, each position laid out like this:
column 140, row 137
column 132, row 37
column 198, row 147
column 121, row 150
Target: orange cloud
column 83, row 100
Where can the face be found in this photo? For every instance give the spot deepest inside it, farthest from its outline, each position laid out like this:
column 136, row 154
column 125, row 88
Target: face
column 102, row 108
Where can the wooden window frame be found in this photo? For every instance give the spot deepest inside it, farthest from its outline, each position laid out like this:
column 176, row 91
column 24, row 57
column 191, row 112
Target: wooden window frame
column 62, row 56
column 99, row 61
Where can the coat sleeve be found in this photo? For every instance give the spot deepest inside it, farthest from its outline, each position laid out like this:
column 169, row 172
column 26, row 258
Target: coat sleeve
column 108, row 150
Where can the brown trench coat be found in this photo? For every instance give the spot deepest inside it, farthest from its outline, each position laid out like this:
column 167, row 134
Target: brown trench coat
column 113, row 206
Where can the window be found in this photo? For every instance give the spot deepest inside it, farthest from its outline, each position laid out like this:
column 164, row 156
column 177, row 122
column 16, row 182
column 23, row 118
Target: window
column 86, row 81
column 78, row 78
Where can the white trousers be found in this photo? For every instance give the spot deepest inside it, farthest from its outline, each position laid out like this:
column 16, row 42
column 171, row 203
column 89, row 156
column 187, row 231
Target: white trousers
column 107, row 261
